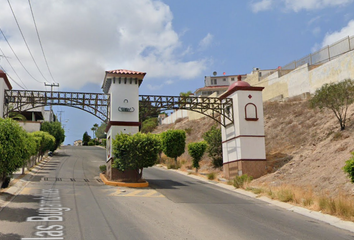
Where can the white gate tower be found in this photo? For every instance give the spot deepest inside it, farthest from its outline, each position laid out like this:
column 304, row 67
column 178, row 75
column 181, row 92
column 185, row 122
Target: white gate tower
column 123, row 110
column 243, row 141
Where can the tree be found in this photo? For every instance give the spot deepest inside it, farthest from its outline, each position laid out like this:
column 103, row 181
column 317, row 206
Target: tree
column 214, row 149
column 135, row 152
column 184, row 96
column 54, row 129
column 173, row 143
column 336, row 97
column 196, row 150
column 100, row 131
column 85, row 139
column 146, row 110
column 11, row 145
column 46, row 143
column 149, row 125
column 28, row 150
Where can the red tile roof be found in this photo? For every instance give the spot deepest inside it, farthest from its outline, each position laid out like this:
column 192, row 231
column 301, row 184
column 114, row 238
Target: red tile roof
column 3, row 75
column 124, row 71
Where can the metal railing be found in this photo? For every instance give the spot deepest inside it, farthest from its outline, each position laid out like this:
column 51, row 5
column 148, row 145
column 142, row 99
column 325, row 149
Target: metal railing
column 325, row 54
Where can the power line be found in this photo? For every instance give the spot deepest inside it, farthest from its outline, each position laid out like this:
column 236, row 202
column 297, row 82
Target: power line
column 12, row 78
column 12, row 68
column 39, row 39
column 23, row 37
column 17, row 56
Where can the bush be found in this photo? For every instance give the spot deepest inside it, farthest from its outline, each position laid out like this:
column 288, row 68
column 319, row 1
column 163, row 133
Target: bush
column 104, row 142
column 12, row 138
column 135, row 152
column 91, row 143
column 211, row 176
column 55, row 129
column 173, row 143
column 103, row 168
column 213, row 138
column 196, row 150
column 349, row 167
column 149, row 125
column 240, row 181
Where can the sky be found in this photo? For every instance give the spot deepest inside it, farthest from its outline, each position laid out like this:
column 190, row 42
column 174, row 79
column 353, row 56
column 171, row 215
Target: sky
column 176, row 42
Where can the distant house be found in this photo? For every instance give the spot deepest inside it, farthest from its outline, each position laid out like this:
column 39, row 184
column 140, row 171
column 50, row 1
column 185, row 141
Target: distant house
column 78, row 143
column 34, row 118
column 216, row 84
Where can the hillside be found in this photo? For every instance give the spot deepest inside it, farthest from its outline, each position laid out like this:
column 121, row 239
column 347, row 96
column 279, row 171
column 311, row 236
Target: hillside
column 305, row 147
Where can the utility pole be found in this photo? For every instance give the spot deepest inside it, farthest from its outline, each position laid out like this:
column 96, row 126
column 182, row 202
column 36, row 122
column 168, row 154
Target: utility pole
column 60, row 112
column 51, row 95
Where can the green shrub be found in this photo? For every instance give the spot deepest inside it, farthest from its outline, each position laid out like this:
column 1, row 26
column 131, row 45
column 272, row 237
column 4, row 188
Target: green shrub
column 196, row 150
column 135, row 152
column 211, row 176
column 188, row 130
column 173, row 143
column 239, row 181
column 104, row 142
column 149, row 125
column 349, row 167
column 91, row 143
column 103, row 168
column 214, row 150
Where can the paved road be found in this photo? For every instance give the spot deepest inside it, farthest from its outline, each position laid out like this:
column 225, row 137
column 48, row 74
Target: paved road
column 66, row 200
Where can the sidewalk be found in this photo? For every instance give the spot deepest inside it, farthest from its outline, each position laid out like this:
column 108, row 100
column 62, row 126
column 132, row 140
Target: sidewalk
column 17, row 183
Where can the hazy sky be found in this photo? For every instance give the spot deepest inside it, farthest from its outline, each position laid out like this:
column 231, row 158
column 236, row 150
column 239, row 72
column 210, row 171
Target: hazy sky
column 176, row 42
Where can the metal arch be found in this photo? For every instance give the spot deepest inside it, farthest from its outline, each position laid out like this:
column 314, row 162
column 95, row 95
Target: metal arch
column 212, row 107
column 23, row 100
column 97, row 104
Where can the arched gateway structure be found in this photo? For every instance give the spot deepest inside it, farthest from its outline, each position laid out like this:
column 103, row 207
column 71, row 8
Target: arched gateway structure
column 239, row 111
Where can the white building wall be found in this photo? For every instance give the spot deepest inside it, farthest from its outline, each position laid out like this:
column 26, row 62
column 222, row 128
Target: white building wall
column 3, row 87
column 30, row 126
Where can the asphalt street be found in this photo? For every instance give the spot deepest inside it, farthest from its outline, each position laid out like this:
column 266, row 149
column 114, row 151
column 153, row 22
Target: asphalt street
column 65, row 199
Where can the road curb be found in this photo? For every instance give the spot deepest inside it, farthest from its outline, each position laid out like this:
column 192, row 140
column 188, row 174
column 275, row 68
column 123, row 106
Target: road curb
column 331, row 220
column 123, row 184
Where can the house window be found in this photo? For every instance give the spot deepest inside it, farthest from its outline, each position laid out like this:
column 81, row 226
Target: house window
column 224, row 79
column 232, row 79
column 213, row 81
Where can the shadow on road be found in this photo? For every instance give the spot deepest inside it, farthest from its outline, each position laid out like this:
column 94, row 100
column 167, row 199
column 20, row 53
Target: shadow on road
column 17, row 214
column 164, row 184
column 10, row 236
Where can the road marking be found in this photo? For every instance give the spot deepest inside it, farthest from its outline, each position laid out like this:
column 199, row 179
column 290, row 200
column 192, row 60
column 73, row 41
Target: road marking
column 26, row 191
column 136, row 193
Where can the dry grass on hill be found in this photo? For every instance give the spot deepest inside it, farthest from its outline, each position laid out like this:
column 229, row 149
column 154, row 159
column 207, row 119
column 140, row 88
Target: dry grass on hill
column 305, row 147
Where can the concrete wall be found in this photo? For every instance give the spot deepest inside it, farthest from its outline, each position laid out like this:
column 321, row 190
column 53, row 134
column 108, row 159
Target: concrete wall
column 283, row 84
column 30, row 126
column 182, row 113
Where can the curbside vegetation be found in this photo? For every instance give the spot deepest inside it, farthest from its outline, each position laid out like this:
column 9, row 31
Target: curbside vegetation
column 20, row 149
column 339, row 206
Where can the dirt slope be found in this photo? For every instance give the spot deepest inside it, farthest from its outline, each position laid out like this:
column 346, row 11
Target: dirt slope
column 305, row 147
